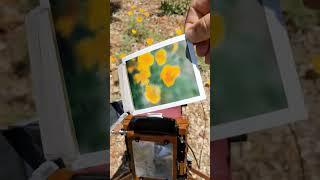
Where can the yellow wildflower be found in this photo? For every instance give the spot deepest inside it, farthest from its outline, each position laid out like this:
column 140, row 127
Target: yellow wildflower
column 141, row 10
column 130, row 13
column 153, row 94
column 217, row 30
column 169, row 74
column 139, row 19
column 133, row 31
column 316, row 63
column 207, row 84
column 122, row 55
column 142, row 77
column 175, row 47
column 161, row 56
column 65, row 25
column 146, row 14
column 179, row 31
column 149, row 41
column 145, row 61
column 133, row 7
column 112, row 59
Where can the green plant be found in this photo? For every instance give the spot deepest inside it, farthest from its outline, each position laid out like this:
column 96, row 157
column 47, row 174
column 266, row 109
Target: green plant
column 301, row 16
column 171, row 7
column 137, row 32
column 202, row 65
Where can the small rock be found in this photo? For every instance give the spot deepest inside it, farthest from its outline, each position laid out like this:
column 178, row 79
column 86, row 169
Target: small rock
column 115, row 76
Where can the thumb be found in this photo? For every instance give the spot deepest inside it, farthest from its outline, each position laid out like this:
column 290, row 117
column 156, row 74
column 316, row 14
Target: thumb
column 200, row 30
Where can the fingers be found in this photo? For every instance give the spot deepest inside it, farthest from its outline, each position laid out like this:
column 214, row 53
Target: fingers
column 197, row 27
column 198, row 9
column 201, row 6
column 198, row 31
column 203, row 48
column 192, row 17
column 207, row 58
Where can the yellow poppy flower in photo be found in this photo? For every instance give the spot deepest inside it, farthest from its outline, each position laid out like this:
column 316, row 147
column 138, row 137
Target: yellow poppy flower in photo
column 179, row 32
column 142, row 66
column 153, row 93
column 133, row 7
column 92, row 51
column 145, row 61
column 146, row 14
column 169, row 74
column 133, row 31
column 65, row 25
column 130, row 13
column 175, row 47
column 217, row 30
column 161, row 56
column 141, row 10
column 316, row 63
column 130, row 69
column 139, row 19
column 142, row 77
column 149, row 41
column 96, row 14
column 85, row 52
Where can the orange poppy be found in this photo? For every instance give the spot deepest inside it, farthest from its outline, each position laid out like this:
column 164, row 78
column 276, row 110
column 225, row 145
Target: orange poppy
column 169, row 74
column 161, row 56
column 153, row 94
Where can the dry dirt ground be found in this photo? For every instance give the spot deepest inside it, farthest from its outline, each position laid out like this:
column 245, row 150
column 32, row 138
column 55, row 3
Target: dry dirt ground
column 16, row 101
column 198, row 113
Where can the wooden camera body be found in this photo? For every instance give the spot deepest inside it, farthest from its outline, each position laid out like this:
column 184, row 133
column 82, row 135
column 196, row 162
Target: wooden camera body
column 166, row 136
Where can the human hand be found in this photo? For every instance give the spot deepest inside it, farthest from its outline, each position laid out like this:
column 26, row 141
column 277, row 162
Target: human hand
column 197, row 27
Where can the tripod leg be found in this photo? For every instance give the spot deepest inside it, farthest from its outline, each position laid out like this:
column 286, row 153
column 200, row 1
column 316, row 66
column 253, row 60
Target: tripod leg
column 125, row 176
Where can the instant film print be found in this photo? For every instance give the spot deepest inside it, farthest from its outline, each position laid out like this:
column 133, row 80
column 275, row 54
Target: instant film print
column 162, row 76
